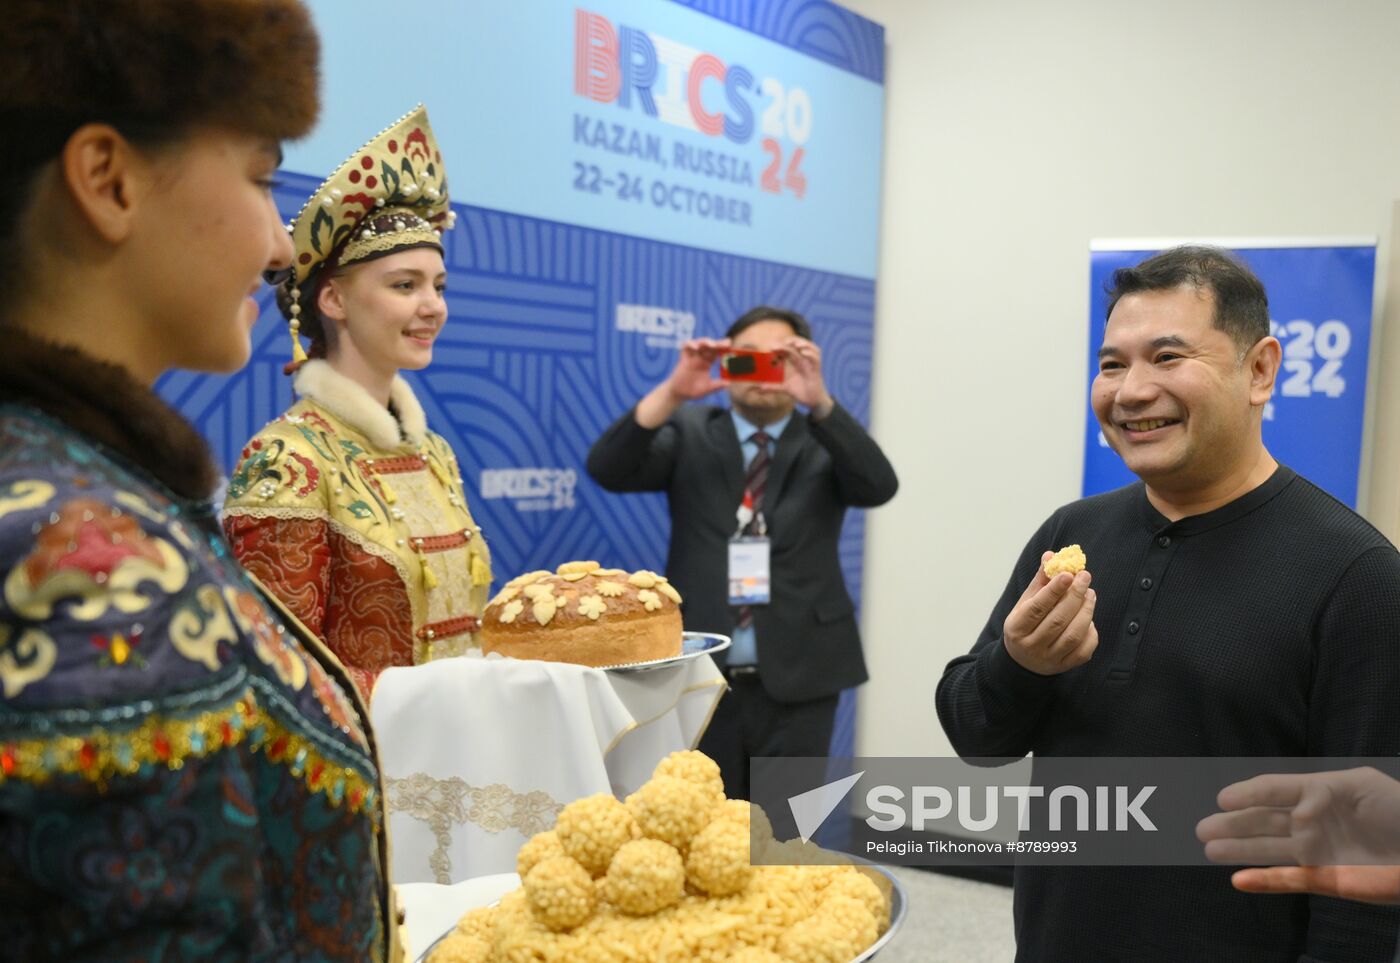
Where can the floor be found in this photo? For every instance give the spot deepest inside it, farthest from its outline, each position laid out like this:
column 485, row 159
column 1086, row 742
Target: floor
column 952, row 920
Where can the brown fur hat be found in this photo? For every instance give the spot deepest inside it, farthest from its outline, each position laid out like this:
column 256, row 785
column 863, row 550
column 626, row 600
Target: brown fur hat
column 248, row 64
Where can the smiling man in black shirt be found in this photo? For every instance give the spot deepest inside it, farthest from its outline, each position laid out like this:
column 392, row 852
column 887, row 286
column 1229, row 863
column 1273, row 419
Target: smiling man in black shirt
column 1235, row 610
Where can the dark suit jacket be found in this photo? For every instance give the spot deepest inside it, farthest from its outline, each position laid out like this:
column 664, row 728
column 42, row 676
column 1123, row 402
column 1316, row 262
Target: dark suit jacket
column 808, row 641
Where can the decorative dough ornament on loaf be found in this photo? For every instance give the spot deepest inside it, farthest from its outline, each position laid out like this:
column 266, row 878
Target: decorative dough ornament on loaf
column 1068, row 559
column 586, row 614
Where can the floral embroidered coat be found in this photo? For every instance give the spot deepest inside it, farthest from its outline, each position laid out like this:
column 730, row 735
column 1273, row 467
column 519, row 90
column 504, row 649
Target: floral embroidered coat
column 181, row 776
column 355, row 515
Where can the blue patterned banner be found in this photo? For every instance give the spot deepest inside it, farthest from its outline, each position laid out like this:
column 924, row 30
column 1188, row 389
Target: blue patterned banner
column 1320, row 309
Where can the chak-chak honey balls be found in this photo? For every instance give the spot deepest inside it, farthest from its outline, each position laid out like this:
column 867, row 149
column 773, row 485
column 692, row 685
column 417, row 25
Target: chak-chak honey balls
column 750, row 816
column 645, row 876
column 593, row 829
column 678, row 885
column 541, row 846
column 837, row 934
column 672, row 810
column 697, row 768
column 755, row 954
column 1068, row 559
column 718, row 861
column 561, row 893
column 860, row 886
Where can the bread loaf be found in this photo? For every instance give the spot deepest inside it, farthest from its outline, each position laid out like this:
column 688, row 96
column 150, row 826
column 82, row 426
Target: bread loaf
column 585, row 614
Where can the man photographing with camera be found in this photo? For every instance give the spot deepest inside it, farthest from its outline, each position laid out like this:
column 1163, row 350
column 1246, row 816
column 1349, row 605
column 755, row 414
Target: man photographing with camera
column 757, row 495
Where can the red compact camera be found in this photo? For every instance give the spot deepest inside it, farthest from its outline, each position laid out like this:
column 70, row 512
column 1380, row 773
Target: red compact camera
column 740, row 365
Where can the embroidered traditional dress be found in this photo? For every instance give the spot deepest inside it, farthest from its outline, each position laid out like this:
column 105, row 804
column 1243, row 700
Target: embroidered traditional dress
column 355, row 516
column 181, row 777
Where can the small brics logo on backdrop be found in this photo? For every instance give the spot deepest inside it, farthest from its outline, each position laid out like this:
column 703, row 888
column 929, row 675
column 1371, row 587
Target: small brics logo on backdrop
column 691, row 89
column 531, row 489
column 662, row 327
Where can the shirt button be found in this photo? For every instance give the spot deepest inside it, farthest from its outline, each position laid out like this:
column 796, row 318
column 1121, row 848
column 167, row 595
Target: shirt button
column 1164, row 540
column 1133, row 628
column 1145, row 584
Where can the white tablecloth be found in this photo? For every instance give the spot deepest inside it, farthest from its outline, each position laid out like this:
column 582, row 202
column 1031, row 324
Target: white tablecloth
column 479, row 754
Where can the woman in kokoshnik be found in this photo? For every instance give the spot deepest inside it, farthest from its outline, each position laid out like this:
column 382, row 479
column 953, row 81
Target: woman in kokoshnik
column 348, row 506
column 181, row 775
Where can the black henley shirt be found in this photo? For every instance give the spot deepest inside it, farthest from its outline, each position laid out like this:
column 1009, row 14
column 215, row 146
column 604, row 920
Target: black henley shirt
column 1268, row 627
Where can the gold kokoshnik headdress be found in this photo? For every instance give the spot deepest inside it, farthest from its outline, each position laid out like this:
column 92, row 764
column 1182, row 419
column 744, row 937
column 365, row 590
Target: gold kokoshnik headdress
column 388, row 196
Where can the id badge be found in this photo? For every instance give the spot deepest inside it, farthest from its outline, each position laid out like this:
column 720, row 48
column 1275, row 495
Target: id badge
column 748, row 570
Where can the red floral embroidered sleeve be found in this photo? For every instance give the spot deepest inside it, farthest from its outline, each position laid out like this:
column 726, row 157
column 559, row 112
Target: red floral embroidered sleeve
column 291, row 556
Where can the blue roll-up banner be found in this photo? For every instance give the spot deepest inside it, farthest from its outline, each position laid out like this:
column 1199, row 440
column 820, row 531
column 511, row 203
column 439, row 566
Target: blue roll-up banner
column 627, row 174
column 1320, row 303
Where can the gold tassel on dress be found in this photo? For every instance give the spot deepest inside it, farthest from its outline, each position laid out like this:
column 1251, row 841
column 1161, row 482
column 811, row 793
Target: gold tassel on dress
column 440, row 472
column 384, row 489
column 481, row 572
column 429, row 579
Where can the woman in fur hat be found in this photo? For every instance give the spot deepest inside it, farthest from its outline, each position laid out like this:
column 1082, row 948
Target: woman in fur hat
column 181, row 776
column 347, row 506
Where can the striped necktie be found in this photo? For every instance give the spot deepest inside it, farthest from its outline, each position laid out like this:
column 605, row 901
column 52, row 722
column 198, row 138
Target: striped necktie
column 756, row 478
column 755, row 484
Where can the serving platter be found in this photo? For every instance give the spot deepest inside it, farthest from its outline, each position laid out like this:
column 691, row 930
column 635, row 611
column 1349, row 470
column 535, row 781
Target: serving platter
column 693, row 645
column 899, row 909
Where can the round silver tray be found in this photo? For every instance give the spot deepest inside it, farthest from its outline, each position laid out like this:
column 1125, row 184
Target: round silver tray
column 693, row 645
column 899, row 909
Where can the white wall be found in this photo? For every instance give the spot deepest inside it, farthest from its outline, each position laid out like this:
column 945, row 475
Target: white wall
column 1015, row 132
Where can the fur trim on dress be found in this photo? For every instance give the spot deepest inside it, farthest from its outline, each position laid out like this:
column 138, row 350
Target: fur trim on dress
column 105, row 403
column 351, row 403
